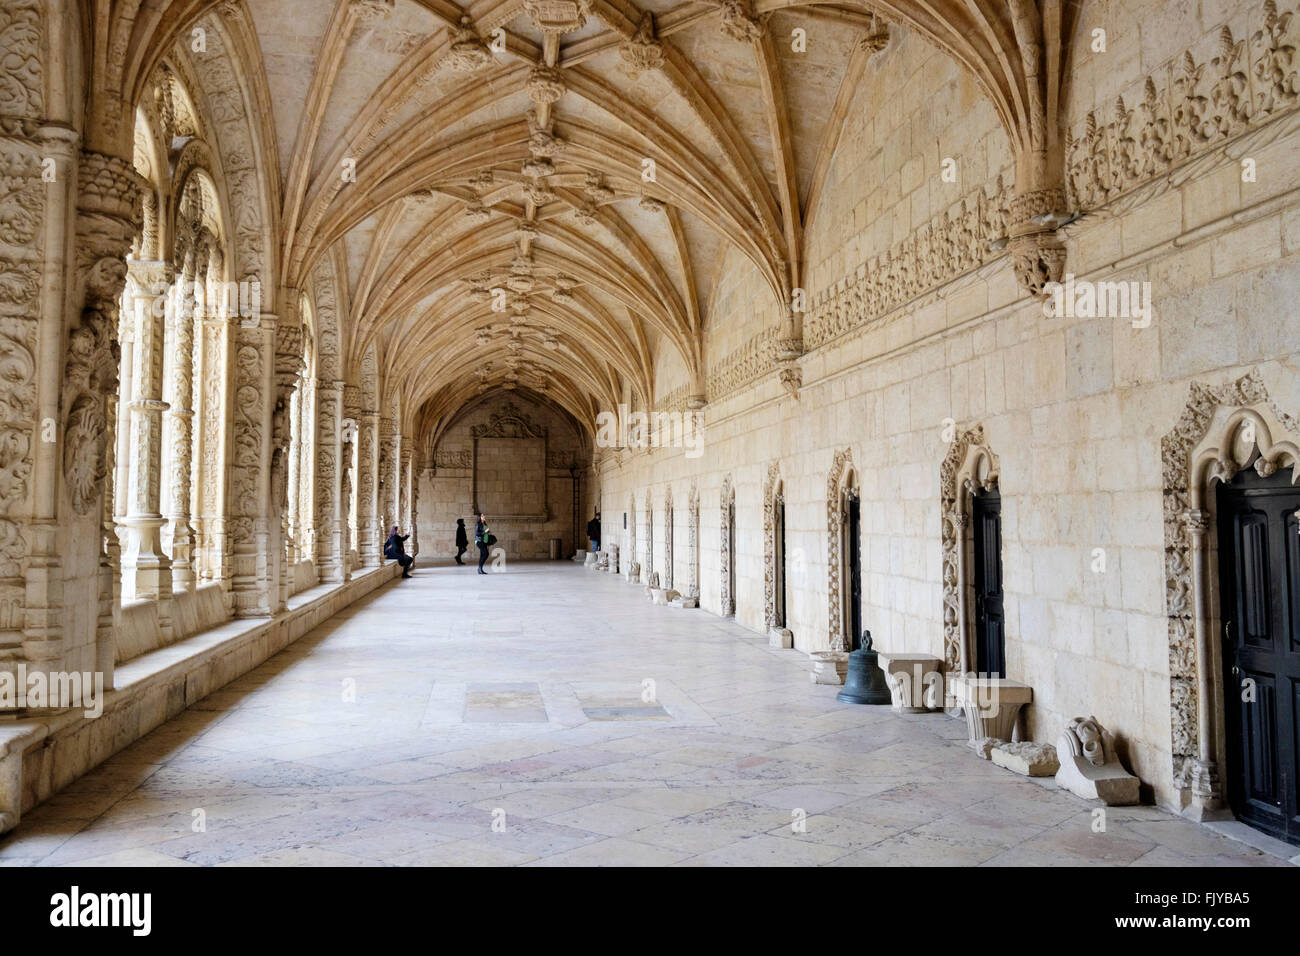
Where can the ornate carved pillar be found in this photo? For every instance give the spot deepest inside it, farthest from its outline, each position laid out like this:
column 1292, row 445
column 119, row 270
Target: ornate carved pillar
column 185, row 311
column 331, row 522
column 211, row 397
column 369, row 520
column 147, row 570
column 107, row 221
column 252, row 563
column 288, row 363
column 404, row 489
column 348, row 447
column 389, row 498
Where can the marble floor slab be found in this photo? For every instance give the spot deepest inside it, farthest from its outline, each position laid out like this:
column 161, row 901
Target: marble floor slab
column 549, row 715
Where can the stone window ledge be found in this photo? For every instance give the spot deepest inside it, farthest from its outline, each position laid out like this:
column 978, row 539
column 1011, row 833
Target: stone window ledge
column 41, row 755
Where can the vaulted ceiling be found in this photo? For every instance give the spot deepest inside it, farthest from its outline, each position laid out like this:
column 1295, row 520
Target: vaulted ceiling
column 537, row 193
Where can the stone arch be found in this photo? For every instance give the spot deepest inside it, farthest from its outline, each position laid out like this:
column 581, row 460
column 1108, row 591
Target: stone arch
column 1221, row 430
column 727, row 501
column 773, row 489
column 969, row 465
column 840, row 486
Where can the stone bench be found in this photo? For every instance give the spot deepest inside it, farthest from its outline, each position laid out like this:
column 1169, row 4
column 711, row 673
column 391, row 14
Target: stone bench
column 915, row 681
column 992, row 706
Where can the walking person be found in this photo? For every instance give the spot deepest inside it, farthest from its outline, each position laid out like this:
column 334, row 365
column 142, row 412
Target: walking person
column 483, row 538
column 593, row 532
column 394, row 550
column 462, row 540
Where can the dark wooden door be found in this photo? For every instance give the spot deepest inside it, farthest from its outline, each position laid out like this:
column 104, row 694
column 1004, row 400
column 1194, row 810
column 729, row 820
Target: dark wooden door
column 779, row 561
column 1259, row 574
column 855, row 573
column 990, row 629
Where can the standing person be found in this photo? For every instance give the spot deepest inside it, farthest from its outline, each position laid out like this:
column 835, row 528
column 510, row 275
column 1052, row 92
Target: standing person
column 593, row 532
column 482, row 538
column 394, row 550
column 462, row 540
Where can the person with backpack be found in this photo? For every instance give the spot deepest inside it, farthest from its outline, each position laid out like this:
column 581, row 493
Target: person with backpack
column 395, row 551
column 593, row 532
column 484, row 538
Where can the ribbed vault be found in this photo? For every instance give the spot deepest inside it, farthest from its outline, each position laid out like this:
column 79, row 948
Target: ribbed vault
column 532, row 193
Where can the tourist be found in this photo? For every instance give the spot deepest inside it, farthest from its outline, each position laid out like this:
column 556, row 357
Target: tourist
column 394, row 551
column 593, row 532
column 462, row 540
column 482, row 537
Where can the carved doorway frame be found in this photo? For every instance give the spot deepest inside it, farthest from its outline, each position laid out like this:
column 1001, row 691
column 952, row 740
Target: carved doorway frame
column 1220, row 431
column 773, row 488
column 668, row 537
column 727, row 503
column 840, row 484
column 969, row 466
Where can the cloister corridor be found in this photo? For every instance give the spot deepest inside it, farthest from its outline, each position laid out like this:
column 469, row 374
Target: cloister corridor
column 400, row 730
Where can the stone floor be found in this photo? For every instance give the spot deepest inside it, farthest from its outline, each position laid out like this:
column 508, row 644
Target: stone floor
column 511, row 719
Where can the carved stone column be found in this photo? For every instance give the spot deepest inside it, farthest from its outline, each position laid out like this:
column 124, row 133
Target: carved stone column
column 212, row 397
column 249, row 525
column 369, row 520
column 331, row 523
column 404, row 486
column 107, row 222
column 147, row 571
column 389, row 498
column 184, row 315
column 348, row 447
column 288, row 363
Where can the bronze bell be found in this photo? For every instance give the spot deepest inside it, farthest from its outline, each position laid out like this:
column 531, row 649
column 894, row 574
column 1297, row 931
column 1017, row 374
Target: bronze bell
column 866, row 682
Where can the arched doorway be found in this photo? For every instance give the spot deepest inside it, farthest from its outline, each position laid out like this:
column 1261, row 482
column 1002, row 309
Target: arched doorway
column 1232, row 547
column 1259, row 580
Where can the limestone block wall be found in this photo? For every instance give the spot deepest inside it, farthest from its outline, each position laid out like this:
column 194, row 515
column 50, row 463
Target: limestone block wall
column 447, row 491
column 1074, row 408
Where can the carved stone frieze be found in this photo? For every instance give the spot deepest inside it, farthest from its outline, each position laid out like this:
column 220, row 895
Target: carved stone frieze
column 1187, row 108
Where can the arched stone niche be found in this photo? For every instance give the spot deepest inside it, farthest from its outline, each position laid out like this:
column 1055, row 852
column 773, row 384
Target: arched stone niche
column 969, row 466
column 1220, row 431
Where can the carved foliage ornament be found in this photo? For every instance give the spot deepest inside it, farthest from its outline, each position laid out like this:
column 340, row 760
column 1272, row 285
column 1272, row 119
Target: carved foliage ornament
column 1188, row 108
column 771, row 498
column 642, row 50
